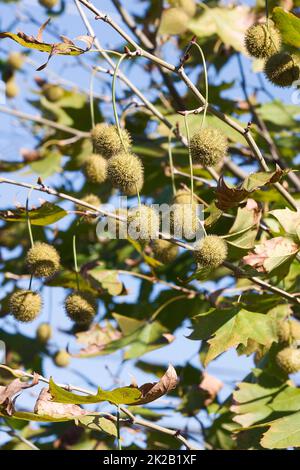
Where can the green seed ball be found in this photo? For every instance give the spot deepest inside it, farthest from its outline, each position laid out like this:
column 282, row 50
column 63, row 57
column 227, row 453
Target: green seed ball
column 44, row 333
column 48, row 3
column 288, row 329
column 208, row 146
column 62, row 358
column 95, row 169
column 43, row 260
column 282, row 69
column 15, row 60
column 143, row 223
column 94, row 201
column 164, row 251
column 107, row 142
column 262, row 41
column 210, row 251
column 288, row 360
column 184, row 221
column 126, row 173
column 11, row 89
column 183, row 196
column 25, row 305
column 53, row 93
column 80, row 307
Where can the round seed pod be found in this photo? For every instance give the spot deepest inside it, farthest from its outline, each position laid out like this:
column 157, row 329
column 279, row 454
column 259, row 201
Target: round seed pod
column 184, row 221
column 107, row 142
column 210, row 251
column 288, row 330
column 48, row 3
column 11, row 89
column 44, row 333
column 183, row 196
column 164, row 251
column 53, row 93
column 125, row 172
column 15, row 60
column 208, row 146
column 143, row 223
column 262, row 41
column 95, row 169
column 25, row 305
column 62, row 358
column 288, row 360
column 80, row 307
column 43, row 260
column 94, row 201
column 282, row 69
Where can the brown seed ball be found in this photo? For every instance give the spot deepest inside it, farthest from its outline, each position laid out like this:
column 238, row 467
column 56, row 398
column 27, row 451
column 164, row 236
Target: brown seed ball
column 164, row 251
column 282, row 69
column 62, row 358
column 11, row 89
column 95, row 169
column 80, row 307
column 107, row 142
column 44, row 333
column 43, row 260
column 15, row 60
column 94, row 201
column 210, row 251
column 184, row 221
column 288, row 360
column 262, row 41
column 125, row 172
column 25, row 305
column 208, row 146
column 53, row 93
column 48, row 3
column 143, row 223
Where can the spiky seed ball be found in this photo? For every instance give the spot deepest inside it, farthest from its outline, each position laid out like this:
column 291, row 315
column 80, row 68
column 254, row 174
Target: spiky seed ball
column 62, row 358
column 44, row 333
column 42, row 260
column 94, row 201
column 262, row 41
column 183, row 196
column 282, row 69
column 53, row 93
column 95, row 168
column 143, row 223
column 288, row 359
column 164, row 251
column 80, row 307
column 15, row 60
column 184, row 221
column 11, row 89
column 288, row 329
column 48, row 3
column 107, row 142
column 25, row 305
column 126, row 173
column 210, row 251
column 208, row 146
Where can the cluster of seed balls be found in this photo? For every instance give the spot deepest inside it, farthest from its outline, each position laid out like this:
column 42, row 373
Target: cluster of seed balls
column 43, row 261
column 264, row 42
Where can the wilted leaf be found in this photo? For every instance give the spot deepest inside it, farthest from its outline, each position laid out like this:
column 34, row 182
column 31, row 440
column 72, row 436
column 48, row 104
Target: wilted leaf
column 212, row 386
column 7, row 393
column 153, row 391
column 46, row 214
column 96, row 338
column 45, row 406
column 289, row 221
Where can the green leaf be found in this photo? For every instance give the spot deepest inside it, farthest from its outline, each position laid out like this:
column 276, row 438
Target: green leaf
column 228, row 328
column 283, row 433
column 289, row 26
column 46, row 214
column 119, row 396
column 98, row 423
column 289, row 221
column 48, row 165
column 108, row 280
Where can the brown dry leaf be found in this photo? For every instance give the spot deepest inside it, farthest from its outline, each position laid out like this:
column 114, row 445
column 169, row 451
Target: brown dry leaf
column 278, row 247
column 96, row 338
column 44, row 406
column 212, row 386
column 153, row 391
column 9, row 391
